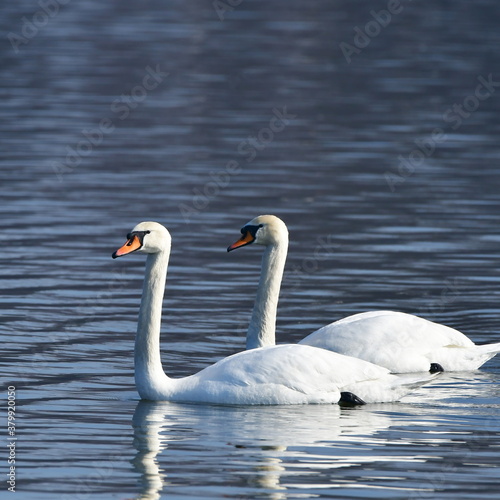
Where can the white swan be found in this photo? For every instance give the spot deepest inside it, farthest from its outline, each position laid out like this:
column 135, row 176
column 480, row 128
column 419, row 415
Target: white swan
column 401, row 342
column 285, row 374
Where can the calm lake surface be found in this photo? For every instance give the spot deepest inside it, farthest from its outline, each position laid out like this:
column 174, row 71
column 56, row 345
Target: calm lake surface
column 375, row 136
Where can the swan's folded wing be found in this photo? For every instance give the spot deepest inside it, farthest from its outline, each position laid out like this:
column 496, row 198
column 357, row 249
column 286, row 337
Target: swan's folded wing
column 402, row 342
column 302, row 369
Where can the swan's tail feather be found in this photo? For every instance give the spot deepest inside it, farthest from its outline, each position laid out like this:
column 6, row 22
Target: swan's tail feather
column 394, row 388
column 484, row 353
column 489, row 349
column 411, row 381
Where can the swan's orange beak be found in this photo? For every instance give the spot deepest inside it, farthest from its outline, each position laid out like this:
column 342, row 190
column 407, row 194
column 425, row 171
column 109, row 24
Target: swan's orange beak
column 246, row 239
column 132, row 245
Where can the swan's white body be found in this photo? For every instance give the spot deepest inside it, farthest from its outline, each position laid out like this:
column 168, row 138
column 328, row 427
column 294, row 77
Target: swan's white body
column 285, row 374
column 400, row 342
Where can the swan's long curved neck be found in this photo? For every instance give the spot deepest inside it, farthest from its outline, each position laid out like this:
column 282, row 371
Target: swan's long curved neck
column 261, row 331
column 149, row 372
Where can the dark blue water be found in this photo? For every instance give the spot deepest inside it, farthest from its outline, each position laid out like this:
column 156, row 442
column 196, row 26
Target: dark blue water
column 374, row 135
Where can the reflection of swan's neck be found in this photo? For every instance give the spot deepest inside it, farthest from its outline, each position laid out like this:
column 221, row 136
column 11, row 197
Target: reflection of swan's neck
column 149, row 444
column 148, row 369
column 261, row 331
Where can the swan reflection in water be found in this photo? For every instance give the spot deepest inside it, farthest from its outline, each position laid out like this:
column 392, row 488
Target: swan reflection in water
column 273, row 449
column 255, row 445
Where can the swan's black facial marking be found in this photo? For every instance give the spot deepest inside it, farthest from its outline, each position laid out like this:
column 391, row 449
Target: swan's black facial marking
column 135, row 241
column 248, row 236
column 139, row 234
column 252, row 229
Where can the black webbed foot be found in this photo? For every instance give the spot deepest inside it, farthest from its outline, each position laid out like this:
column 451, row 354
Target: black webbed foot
column 436, row 367
column 350, row 399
